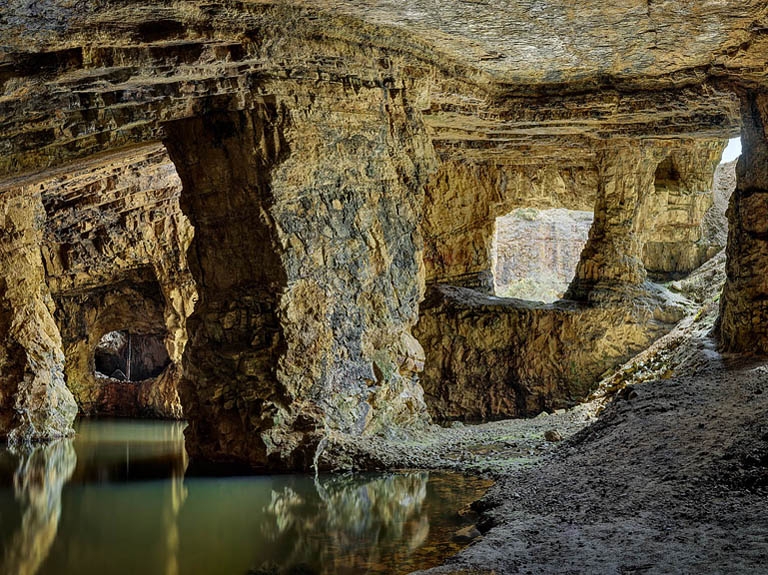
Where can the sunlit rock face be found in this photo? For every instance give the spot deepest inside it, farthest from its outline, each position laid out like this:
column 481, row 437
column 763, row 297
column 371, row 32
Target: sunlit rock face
column 684, row 195
column 334, row 157
column 465, row 198
column 35, row 403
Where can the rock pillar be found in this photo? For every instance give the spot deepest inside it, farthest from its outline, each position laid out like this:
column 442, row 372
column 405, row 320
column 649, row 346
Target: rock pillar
column 308, row 262
column 35, row 404
column 677, row 244
column 613, row 256
column 743, row 325
column 230, row 390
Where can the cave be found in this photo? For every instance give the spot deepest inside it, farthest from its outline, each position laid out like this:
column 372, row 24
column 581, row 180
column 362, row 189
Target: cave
column 248, row 239
column 127, row 357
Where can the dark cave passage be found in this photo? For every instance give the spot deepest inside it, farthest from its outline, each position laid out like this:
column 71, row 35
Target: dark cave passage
column 131, row 357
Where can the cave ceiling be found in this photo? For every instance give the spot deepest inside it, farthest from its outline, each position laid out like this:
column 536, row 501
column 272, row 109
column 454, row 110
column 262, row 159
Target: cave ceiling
column 521, row 81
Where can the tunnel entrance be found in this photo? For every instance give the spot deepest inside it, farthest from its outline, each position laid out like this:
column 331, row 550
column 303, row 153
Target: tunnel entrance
column 130, row 357
column 536, row 252
column 687, row 220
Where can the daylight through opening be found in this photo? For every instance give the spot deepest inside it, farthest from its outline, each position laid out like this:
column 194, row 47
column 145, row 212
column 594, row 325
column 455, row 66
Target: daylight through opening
column 536, row 252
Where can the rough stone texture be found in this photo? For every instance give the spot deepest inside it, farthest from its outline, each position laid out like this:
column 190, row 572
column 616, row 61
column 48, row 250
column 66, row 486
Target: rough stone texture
column 684, row 192
column 464, row 199
column 111, row 70
column 489, row 357
column 360, row 92
column 743, row 322
column 715, row 225
column 85, row 317
column 671, row 478
column 115, row 257
column 612, row 257
column 35, row 403
column 537, row 251
column 308, row 263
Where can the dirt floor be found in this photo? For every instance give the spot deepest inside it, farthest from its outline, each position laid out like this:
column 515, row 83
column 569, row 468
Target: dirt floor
column 672, row 477
column 665, row 470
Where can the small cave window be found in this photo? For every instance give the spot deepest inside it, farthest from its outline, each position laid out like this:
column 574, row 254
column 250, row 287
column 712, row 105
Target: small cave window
column 536, row 252
column 125, row 356
column 732, row 151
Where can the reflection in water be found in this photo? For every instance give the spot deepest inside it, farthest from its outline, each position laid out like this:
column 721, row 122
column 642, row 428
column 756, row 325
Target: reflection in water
column 362, row 518
column 37, row 483
column 128, row 508
column 171, row 512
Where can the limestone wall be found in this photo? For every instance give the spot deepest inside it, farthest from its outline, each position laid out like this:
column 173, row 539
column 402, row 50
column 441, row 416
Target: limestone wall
column 488, row 357
column 308, row 259
column 464, row 199
column 684, row 189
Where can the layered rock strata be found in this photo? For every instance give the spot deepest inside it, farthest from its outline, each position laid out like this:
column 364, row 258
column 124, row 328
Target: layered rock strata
column 115, row 256
column 490, row 357
column 464, row 199
column 684, row 192
column 329, row 114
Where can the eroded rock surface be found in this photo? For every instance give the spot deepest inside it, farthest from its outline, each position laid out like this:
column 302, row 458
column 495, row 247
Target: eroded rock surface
column 743, row 313
column 465, row 198
column 317, row 142
column 489, row 357
column 115, row 258
column 309, row 270
column 537, row 251
column 685, row 190
column 35, row 403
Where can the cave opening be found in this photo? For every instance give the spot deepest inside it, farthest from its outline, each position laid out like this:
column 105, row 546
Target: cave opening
column 536, row 252
column 732, row 151
column 686, row 222
column 130, row 357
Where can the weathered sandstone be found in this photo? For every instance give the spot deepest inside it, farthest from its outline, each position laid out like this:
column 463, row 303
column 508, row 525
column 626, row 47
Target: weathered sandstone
column 743, row 313
column 333, row 159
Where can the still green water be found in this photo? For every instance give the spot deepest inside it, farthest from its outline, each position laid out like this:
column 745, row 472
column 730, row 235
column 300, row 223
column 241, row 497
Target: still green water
column 118, row 500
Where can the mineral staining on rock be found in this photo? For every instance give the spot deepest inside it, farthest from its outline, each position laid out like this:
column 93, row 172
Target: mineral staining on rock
column 333, row 160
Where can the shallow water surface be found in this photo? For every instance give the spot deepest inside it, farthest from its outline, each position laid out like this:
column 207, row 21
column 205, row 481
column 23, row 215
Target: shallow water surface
column 117, row 500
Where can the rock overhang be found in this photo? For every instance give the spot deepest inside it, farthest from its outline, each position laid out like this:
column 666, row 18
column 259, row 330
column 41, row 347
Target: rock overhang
column 81, row 78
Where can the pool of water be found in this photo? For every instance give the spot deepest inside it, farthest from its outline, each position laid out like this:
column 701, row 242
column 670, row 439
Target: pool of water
column 118, row 499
